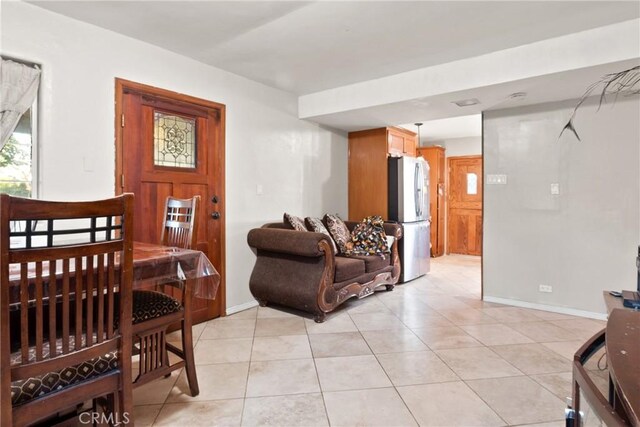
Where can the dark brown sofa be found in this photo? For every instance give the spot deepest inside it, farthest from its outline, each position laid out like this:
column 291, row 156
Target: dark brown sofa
column 300, row 269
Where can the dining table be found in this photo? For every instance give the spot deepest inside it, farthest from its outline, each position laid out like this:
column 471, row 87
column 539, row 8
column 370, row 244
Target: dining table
column 153, row 265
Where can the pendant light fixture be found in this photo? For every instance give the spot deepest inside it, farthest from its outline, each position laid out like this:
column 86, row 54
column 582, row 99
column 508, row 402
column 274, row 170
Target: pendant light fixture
column 418, row 125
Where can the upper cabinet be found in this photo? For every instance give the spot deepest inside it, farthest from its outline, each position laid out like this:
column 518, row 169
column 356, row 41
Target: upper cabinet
column 401, row 142
column 368, row 178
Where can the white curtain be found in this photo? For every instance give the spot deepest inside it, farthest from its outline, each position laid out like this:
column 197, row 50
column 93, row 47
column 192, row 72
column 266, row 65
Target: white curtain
column 18, row 89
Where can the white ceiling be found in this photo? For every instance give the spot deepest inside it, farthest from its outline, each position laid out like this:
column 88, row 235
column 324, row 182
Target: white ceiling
column 304, row 47
column 453, row 127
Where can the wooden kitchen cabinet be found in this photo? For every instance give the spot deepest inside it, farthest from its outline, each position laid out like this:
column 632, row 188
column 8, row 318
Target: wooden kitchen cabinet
column 368, row 177
column 435, row 156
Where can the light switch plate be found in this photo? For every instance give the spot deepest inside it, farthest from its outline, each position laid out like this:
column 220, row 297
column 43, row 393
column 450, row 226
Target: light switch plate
column 555, row 188
column 496, row 179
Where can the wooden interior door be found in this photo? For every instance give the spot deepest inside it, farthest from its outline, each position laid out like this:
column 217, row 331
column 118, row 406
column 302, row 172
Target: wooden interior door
column 172, row 145
column 465, row 205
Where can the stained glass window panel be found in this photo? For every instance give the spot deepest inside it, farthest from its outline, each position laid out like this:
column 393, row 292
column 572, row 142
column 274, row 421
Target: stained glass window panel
column 174, row 141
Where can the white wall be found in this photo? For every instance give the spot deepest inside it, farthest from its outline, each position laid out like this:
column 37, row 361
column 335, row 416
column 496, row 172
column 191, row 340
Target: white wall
column 582, row 241
column 301, row 166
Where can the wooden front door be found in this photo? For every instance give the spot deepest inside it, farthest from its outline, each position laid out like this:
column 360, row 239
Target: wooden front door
column 170, row 144
column 464, row 222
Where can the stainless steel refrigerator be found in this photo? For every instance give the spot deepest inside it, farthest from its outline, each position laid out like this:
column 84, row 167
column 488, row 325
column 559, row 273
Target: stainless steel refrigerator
column 409, row 205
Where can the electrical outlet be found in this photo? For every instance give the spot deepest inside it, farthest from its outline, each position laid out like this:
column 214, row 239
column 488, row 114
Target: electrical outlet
column 545, row 288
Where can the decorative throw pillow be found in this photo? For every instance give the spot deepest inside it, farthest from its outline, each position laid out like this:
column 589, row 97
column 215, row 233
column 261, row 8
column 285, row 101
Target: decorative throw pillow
column 369, row 237
column 294, row 221
column 339, row 232
column 316, row 225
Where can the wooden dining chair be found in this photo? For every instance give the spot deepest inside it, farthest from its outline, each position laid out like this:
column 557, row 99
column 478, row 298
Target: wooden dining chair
column 63, row 338
column 154, row 312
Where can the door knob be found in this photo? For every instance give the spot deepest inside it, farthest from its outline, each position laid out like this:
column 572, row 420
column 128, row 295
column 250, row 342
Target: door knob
column 215, row 215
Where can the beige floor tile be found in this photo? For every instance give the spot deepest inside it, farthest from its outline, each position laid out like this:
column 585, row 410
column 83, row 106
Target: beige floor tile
column 216, row 382
column 542, row 331
column 448, row 404
column 519, row 400
column 376, row 321
column 558, row 384
column 366, row 305
column 144, row 416
column 350, row 373
column 278, row 377
column 276, row 312
column 280, row 326
column 196, row 331
column 155, row 392
column 340, row 344
column 442, row 337
column 446, row 303
column 281, row 348
column 583, row 329
column 550, row 315
column 335, row 322
column 565, row 349
column 549, row 424
column 228, row 350
column 393, row 341
column 277, row 411
column 411, row 368
column 467, row 317
column 231, row 328
column 477, row 362
column 511, row 314
column 496, row 334
column 250, row 313
column 533, row 358
column 216, row 413
column 418, row 320
column 377, row 407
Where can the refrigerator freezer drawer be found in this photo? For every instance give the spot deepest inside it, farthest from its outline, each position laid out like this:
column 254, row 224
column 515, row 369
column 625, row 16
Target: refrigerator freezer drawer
column 414, row 250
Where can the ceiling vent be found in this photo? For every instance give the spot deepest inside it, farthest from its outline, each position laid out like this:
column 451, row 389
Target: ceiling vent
column 466, row 102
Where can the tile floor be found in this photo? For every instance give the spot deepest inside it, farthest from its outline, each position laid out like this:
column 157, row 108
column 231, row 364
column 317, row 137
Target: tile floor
column 429, row 353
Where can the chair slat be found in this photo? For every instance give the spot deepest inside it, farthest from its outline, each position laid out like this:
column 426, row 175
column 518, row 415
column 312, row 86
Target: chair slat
column 66, row 312
column 39, row 323
column 100, row 298
column 89, row 299
column 52, row 305
column 24, row 313
column 111, row 279
column 78, row 306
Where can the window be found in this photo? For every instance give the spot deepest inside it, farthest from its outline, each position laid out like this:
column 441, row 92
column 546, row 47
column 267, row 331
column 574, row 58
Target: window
column 472, row 184
column 18, row 159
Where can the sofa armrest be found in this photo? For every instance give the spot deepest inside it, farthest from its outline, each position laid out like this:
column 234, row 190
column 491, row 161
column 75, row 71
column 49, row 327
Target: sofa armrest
column 288, row 241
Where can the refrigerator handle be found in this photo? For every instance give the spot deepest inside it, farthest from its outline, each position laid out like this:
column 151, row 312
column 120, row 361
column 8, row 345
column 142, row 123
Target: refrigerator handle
column 417, row 189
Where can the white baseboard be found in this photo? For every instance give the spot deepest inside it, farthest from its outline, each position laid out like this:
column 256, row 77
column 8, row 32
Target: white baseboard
column 544, row 307
column 241, row 307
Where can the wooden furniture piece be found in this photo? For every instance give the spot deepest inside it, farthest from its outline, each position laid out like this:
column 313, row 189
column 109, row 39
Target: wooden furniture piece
column 154, row 312
column 435, row 156
column 368, row 177
column 300, row 269
column 64, row 339
column 622, row 406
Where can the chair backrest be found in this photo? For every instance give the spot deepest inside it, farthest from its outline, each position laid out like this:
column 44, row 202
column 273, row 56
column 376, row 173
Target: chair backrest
column 180, row 222
column 61, row 266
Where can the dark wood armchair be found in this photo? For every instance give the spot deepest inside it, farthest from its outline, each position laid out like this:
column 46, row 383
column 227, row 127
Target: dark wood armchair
column 154, row 312
column 63, row 338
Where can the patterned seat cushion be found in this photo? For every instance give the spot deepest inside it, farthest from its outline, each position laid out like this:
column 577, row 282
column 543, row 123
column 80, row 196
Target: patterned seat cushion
column 150, row 304
column 23, row 391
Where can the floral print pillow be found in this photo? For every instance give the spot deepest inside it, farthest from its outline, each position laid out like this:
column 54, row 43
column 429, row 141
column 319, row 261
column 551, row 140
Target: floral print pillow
column 316, row 225
column 294, row 221
column 369, row 237
column 339, row 232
